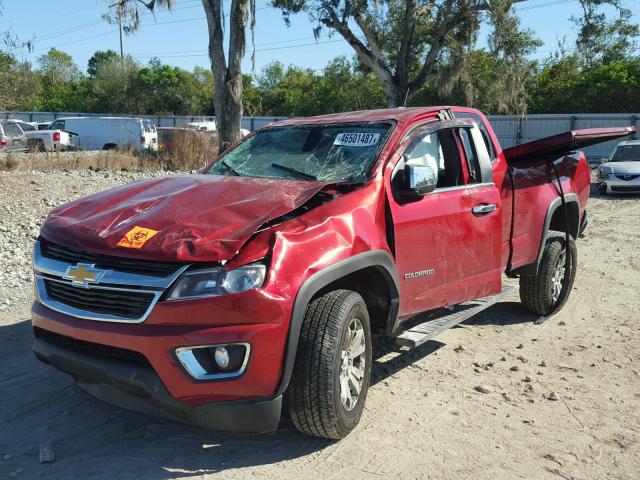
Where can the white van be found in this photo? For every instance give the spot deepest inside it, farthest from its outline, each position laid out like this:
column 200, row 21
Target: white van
column 107, row 133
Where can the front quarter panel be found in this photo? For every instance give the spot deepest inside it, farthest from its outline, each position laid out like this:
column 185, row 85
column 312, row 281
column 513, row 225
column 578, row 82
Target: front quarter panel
column 337, row 230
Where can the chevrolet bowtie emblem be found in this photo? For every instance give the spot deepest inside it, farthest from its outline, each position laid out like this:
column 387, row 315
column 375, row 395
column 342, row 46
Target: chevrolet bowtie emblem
column 83, row 274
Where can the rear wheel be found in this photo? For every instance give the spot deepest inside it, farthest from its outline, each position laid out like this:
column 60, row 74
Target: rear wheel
column 333, row 366
column 36, row 145
column 548, row 291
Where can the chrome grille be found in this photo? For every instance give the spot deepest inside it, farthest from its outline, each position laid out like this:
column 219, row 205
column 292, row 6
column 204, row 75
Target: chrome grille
column 627, row 177
column 111, row 295
column 119, row 303
column 63, row 253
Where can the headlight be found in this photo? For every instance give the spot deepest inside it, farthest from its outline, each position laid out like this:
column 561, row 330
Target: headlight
column 215, row 282
column 603, row 173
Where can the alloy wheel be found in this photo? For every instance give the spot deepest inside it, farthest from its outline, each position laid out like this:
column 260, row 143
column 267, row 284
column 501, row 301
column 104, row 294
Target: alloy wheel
column 353, row 362
column 557, row 281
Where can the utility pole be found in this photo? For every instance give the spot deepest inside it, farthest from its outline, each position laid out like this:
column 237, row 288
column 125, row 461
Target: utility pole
column 120, row 28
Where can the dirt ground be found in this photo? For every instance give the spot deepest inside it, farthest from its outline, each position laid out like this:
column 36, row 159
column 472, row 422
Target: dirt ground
column 423, row 418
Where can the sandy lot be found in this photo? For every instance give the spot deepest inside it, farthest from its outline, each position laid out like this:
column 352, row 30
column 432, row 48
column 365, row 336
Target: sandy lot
column 423, row 418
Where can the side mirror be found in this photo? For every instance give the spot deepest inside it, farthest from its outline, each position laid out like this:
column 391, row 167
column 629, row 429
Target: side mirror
column 421, row 179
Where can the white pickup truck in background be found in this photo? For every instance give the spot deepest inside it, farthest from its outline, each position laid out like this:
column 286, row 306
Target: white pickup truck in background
column 49, row 140
column 45, row 140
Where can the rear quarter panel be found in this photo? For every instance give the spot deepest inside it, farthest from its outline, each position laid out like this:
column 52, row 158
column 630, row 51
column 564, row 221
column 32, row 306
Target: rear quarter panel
column 535, row 189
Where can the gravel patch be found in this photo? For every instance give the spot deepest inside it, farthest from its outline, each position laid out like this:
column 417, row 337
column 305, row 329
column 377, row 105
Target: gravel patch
column 26, row 198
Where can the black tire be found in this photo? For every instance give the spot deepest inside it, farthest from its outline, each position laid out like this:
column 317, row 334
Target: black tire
column 314, row 394
column 36, row 145
column 537, row 292
column 110, row 146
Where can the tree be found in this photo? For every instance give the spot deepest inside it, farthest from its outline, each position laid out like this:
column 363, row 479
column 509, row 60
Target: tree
column 10, row 40
column 603, row 40
column 204, row 91
column 225, row 65
column 60, row 81
column 346, row 86
column 98, row 59
column 58, row 67
column 291, row 91
column 563, row 86
column 6, row 64
column 163, row 89
column 510, row 48
column 404, row 43
column 112, row 85
column 227, row 73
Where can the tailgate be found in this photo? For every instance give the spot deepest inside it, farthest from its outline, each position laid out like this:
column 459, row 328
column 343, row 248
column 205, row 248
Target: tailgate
column 566, row 142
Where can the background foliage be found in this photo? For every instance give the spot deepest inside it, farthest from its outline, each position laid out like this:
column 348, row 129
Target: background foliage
column 599, row 73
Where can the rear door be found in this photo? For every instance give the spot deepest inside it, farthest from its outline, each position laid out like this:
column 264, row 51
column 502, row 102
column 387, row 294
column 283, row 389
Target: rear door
column 151, row 135
column 447, row 242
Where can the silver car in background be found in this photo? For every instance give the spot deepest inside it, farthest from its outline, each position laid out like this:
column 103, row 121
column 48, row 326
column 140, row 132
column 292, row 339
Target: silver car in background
column 621, row 172
column 12, row 138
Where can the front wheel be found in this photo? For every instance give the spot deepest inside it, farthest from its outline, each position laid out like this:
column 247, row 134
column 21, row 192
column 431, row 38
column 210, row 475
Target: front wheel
column 548, row 291
column 331, row 375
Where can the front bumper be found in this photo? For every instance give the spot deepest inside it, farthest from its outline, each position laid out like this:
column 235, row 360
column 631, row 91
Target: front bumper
column 82, row 330
column 137, row 387
column 161, row 386
column 616, row 185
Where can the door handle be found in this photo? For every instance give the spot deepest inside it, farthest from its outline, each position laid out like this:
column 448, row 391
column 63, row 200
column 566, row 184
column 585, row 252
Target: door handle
column 483, row 209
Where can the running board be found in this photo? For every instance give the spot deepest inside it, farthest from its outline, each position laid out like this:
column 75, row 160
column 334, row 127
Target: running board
column 423, row 332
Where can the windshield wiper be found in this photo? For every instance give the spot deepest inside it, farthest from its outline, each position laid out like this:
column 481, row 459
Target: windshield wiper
column 230, row 168
column 306, row 176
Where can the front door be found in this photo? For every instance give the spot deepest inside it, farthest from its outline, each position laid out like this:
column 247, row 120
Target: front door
column 447, row 243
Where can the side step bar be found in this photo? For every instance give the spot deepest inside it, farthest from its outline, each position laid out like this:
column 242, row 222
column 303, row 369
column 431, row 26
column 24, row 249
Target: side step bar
column 423, row 332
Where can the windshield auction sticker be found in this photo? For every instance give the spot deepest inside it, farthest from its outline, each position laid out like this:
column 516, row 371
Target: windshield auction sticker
column 360, row 139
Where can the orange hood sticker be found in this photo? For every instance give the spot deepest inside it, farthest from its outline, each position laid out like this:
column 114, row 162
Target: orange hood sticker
column 136, row 237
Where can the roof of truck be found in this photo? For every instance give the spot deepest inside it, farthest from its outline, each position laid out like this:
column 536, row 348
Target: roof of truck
column 99, row 118
column 399, row 115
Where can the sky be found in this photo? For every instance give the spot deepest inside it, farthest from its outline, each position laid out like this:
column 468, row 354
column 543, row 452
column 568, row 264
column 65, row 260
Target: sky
column 179, row 37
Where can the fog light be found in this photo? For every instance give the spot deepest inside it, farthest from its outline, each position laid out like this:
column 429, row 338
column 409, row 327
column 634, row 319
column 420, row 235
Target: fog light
column 214, row 362
column 222, row 357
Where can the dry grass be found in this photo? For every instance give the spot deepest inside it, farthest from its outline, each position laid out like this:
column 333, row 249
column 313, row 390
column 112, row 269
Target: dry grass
column 188, row 153
column 190, row 150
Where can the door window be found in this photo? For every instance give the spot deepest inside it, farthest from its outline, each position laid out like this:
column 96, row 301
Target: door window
column 472, row 161
column 149, row 127
column 57, row 125
column 483, row 129
column 440, row 151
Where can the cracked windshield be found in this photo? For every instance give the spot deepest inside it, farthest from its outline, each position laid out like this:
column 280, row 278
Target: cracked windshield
column 310, row 152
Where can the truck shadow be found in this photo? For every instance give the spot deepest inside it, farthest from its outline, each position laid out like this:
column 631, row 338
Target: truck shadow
column 389, row 358
column 91, row 438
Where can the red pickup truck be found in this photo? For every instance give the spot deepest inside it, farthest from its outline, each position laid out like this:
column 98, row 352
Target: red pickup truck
column 213, row 298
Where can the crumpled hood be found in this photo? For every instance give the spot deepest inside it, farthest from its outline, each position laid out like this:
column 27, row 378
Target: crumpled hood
column 194, row 217
column 622, row 168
